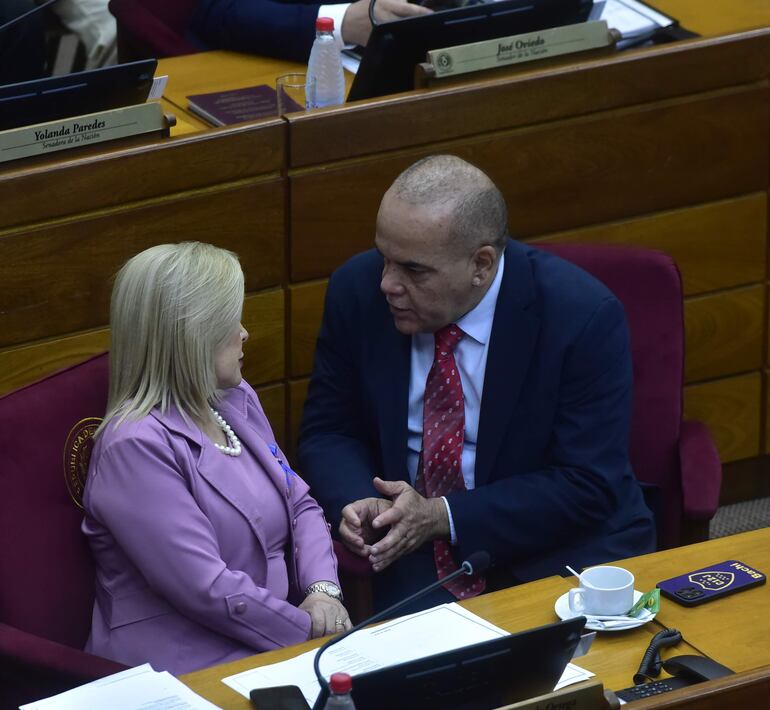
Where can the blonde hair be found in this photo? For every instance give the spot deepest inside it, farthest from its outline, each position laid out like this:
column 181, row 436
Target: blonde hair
column 173, row 306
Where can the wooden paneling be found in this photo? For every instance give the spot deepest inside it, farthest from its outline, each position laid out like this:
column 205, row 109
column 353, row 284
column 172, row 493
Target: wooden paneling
column 559, row 175
column 273, row 399
column 306, row 302
column 534, row 96
column 297, row 396
column 731, row 409
column 766, row 404
column 117, row 177
column 264, row 361
column 264, row 317
column 21, row 365
column 57, row 280
column 717, row 245
column 724, row 333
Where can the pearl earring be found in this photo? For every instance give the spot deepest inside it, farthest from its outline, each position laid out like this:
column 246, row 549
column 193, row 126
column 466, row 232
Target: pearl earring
column 476, row 281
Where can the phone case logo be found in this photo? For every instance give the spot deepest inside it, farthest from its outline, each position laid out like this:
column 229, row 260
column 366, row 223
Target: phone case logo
column 712, row 581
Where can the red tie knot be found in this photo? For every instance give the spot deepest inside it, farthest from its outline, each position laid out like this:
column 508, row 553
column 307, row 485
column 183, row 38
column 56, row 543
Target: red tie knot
column 446, row 339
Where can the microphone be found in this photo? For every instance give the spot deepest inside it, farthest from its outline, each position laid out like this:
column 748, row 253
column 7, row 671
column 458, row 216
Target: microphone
column 476, row 563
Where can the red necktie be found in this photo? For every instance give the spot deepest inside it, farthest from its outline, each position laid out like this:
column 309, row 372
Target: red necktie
column 443, row 434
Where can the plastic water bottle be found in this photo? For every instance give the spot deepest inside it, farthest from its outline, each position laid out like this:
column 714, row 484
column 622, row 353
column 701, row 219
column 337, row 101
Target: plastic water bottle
column 325, row 66
column 340, row 685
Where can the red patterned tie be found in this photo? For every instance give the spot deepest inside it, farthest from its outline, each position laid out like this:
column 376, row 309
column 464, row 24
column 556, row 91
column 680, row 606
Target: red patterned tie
column 443, row 434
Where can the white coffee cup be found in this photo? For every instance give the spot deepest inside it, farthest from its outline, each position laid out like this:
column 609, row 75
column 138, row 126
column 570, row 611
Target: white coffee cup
column 603, row 591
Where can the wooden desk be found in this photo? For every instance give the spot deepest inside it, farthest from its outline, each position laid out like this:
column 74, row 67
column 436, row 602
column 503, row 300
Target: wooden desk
column 733, row 630
column 217, row 71
column 614, row 657
column 711, row 18
column 223, row 70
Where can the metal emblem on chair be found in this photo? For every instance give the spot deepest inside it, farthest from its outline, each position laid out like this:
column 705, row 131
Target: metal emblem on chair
column 77, row 454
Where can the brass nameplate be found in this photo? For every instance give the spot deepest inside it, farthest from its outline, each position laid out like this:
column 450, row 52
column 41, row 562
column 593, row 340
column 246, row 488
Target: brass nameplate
column 516, row 49
column 78, row 131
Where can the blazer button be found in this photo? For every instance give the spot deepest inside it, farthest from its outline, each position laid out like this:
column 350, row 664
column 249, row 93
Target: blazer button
column 240, row 607
column 296, row 552
column 294, row 523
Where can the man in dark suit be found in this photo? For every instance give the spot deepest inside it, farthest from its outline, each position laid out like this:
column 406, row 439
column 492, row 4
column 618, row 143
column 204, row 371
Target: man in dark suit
column 470, row 393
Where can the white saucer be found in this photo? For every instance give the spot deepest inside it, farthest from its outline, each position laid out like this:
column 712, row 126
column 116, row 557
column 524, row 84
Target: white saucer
column 564, row 612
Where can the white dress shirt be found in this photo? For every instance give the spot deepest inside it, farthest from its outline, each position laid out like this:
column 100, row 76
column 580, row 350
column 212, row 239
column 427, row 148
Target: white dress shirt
column 471, row 359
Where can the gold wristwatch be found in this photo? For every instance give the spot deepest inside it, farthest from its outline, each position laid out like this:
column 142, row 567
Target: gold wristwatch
column 328, row 588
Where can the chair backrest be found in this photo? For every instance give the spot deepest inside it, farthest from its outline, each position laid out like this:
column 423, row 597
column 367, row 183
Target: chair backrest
column 153, row 29
column 649, row 286
column 45, row 566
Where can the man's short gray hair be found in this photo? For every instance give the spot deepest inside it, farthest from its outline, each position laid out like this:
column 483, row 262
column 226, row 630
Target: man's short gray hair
column 479, row 214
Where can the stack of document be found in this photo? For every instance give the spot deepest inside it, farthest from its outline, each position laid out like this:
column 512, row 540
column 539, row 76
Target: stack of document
column 442, row 628
column 636, row 21
column 136, row 688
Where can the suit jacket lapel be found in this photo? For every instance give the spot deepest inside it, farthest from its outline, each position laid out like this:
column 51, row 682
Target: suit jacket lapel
column 390, row 371
column 210, row 462
column 256, row 444
column 514, row 332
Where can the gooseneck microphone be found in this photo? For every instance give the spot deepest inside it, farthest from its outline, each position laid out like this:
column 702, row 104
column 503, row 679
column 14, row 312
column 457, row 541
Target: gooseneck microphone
column 476, row 563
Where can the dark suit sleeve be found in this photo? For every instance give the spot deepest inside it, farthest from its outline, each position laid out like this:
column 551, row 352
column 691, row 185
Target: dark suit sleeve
column 335, row 453
column 579, row 489
column 265, row 27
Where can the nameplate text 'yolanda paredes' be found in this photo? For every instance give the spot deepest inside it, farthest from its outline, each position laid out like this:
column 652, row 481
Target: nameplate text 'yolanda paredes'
column 78, row 131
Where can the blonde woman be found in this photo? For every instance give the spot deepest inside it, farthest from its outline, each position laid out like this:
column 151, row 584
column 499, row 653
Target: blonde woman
column 208, row 547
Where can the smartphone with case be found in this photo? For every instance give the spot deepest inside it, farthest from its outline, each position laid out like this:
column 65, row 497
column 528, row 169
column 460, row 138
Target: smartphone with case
column 712, row 582
column 282, row 697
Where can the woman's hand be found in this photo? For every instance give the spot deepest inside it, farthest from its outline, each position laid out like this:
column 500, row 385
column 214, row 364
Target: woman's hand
column 327, row 615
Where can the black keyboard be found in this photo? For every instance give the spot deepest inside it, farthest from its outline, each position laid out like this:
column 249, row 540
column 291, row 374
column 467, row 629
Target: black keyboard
column 647, row 690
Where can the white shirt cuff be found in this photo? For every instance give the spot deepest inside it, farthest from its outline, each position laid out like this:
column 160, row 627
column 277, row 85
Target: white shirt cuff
column 452, row 534
column 337, row 13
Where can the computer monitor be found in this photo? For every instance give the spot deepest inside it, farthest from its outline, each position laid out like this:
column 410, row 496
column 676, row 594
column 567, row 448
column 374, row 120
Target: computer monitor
column 485, row 675
column 19, row 19
column 395, row 48
column 56, row 97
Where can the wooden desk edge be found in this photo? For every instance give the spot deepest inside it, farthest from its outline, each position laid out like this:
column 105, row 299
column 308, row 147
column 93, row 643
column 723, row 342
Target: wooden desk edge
column 732, row 691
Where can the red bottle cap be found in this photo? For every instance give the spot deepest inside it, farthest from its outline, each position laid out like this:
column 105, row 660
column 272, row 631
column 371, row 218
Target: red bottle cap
column 324, row 24
column 340, row 683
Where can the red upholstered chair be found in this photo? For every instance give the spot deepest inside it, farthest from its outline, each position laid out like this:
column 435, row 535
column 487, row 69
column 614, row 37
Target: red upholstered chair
column 47, row 587
column 675, row 460
column 148, row 28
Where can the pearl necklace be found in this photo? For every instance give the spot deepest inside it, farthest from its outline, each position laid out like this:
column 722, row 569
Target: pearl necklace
column 234, row 449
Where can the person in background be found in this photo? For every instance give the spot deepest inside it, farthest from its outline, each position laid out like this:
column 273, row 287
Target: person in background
column 470, row 393
column 93, row 23
column 208, row 547
column 276, row 28
column 22, row 44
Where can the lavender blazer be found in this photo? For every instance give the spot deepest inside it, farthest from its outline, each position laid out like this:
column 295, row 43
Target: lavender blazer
column 179, row 547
